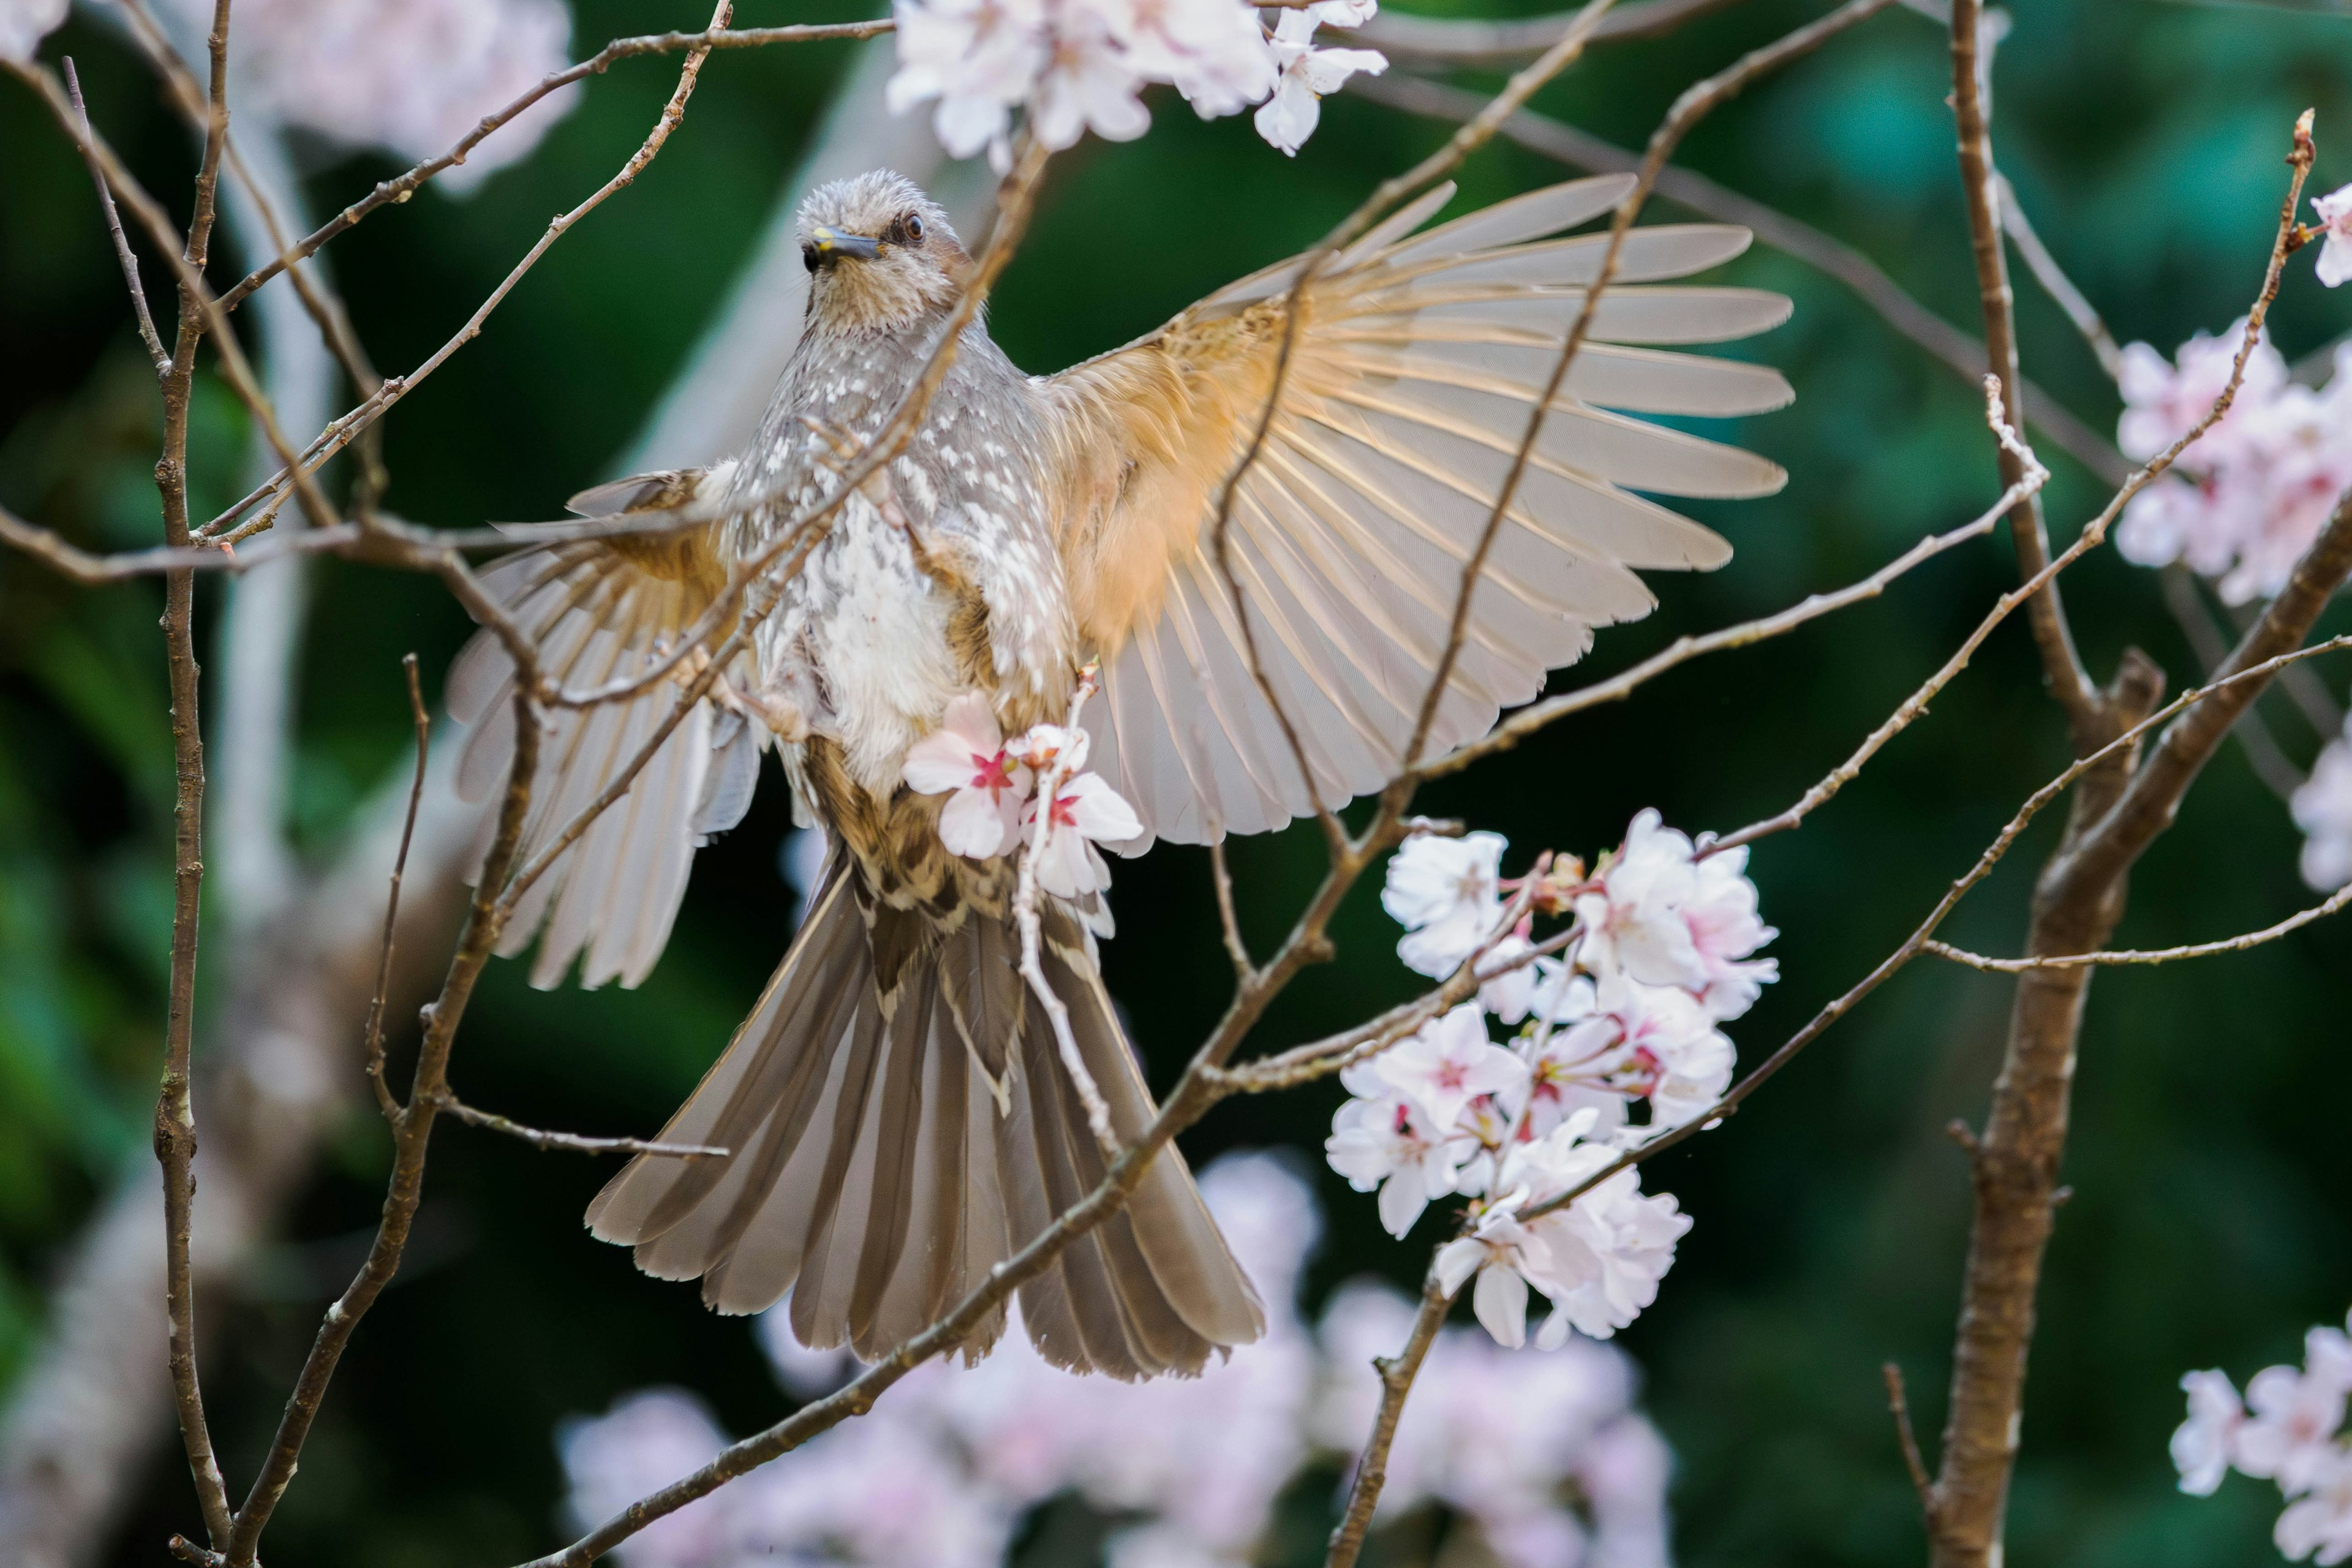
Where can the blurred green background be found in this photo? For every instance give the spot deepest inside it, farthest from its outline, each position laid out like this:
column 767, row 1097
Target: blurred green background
column 2211, row 1171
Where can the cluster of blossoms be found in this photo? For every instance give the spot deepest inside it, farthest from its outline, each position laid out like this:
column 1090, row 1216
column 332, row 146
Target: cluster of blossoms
column 1075, row 66
column 2243, row 504
column 991, row 784
column 409, row 76
column 2286, row 1429
column 2245, row 501
column 1658, row 956
column 1541, row 1461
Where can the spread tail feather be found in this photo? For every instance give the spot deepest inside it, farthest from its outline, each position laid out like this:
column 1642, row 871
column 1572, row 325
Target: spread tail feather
column 888, row 1152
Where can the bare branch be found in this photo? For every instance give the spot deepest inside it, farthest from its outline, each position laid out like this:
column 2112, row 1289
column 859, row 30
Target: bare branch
column 2272, row 765
column 1963, row 354
column 2157, row 955
column 571, row 1143
column 1024, row 914
column 114, row 227
column 1397, row 1374
column 400, row 189
column 1900, row 1408
column 2086, row 712
column 1466, row 40
column 385, row 1100
column 2054, row 281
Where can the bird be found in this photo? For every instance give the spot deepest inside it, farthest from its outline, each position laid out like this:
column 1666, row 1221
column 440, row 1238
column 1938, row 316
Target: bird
column 895, row 1116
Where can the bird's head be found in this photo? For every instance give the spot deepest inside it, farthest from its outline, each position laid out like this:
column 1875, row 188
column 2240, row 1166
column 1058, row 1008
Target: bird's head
column 880, row 254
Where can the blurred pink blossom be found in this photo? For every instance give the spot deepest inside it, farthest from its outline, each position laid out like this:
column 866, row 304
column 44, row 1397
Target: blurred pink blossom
column 2322, row 809
column 25, row 23
column 411, row 76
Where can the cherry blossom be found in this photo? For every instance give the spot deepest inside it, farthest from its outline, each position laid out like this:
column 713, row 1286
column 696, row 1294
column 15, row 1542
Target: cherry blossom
column 2201, row 1444
column 2319, row 1524
column 2287, row 1431
column 1445, row 892
column 1385, row 1140
column 1448, row 1063
column 1632, row 913
column 2243, row 504
column 977, row 57
column 967, row 759
column 1085, row 812
column 1076, row 66
column 1288, row 118
column 25, row 23
column 2322, row 809
column 2288, row 1435
column 411, row 76
column 942, row 1471
column 2335, row 210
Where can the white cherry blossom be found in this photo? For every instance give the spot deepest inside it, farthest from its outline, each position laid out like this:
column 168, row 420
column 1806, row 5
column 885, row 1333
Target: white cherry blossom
column 1085, row 812
column 1088, row 83
column 1448, row 1063
column 1445, row 893
column 2322, row 809
column 1213, row 54
column 1386, row 1142
column 2289, row 1435
column 967, row 759
column 977, row 57
column 2201, row 1444
column 2335, row 210
column 25, row 23
column 2318, row 1525
column 1725, row 929
column 1288, row 118
column 1632, row 917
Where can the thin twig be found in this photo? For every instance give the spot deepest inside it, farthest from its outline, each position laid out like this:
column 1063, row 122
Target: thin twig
column 2157, row 955
column 114, row 227
column 1025, row 894
column 1956, row 350
column 572, row 1143
column 2054, row 281
column 1397, row 1374
column 1900, row 1408
column 1468, row 41
column 2271, row 764
column 1228, row 920
column 400, row 189
column 2085, row 709
column 385, row 1100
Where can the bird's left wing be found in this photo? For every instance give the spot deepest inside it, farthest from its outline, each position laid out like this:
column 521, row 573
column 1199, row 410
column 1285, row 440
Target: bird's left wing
column 602, row 610
column 1415, row 365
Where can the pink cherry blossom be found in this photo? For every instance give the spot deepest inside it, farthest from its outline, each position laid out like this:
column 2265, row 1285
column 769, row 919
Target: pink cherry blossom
column 2319, row 1524
column 1386, row 1142
column 967, row 759
column 2335, row 210
column 412, row 75
column 977, row 57
column 1633, row 916
column 2322, row 809
column 1725, row 929
column 1448, row 1063
column 2289, row 1437
column 2201, row 1444
column 1086, row 811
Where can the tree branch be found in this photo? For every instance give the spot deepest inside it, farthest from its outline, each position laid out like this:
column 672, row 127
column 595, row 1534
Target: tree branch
column 1397, row 1374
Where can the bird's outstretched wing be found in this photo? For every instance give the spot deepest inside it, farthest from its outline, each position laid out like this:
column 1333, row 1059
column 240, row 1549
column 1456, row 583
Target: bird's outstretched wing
column 600, row 611
column 1417, row 362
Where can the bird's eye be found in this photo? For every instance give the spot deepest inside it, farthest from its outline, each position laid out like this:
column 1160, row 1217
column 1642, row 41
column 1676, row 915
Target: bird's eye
column 914, row 227
column 808, row 256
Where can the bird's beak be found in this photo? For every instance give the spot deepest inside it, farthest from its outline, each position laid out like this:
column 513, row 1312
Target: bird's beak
column 827, row 246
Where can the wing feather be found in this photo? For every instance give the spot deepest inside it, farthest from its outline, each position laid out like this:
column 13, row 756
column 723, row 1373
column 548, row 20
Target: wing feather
column 1419, row 358
column 600, row 611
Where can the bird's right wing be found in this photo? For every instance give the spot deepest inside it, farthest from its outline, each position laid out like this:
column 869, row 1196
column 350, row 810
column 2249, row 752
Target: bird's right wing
column 602, row 610
column 1415, row 365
